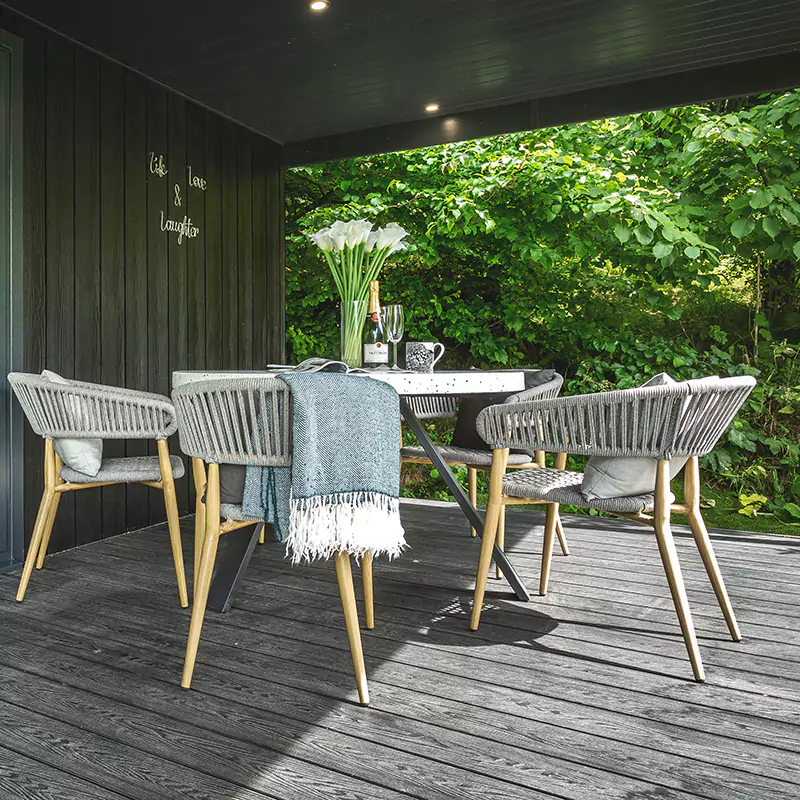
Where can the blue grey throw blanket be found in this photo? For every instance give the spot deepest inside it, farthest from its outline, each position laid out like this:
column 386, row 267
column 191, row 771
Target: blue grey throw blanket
column 342, row 491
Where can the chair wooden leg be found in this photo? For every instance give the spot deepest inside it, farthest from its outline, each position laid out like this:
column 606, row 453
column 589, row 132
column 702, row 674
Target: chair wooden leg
column 199, row 473
column 550, row 518
column 45, row 505
column 262, row 537
column 369, row 600
column 500, row 541
column 669, row 557
column 42, row 518
column 48, row 530
column 562, row 539
column 472, row 485
column 490, row 526
column 345, row 577
column 173, row 522
column 202, row 582
column 703, row 542
column 560, row 462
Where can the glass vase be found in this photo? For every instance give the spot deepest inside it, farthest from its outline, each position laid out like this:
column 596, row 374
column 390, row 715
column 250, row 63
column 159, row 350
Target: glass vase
column 353, row 314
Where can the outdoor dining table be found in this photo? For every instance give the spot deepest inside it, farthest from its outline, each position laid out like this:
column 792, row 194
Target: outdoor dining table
column 235, row 555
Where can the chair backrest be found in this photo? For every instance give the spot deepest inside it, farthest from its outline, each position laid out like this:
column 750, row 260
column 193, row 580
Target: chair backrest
column 544, row 391
column 78, row 410
column 679, row 419
column 238, row 420
column 434, row 406
column 710, row 409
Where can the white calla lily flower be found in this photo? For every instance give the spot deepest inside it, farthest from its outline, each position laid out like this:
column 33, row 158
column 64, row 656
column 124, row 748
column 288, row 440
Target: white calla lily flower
column 358, row 231
column 339, row 240
column 322, row 239
column 390, row 236
column 356, row 253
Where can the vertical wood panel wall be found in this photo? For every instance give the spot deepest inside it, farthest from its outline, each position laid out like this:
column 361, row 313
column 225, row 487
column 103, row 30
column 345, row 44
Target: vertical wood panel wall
column 109, row 296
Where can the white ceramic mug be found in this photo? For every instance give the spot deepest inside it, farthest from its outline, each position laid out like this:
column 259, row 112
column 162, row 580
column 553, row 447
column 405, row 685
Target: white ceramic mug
column 421, row 356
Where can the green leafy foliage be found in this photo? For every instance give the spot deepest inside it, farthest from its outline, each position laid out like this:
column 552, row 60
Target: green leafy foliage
column 611, row 250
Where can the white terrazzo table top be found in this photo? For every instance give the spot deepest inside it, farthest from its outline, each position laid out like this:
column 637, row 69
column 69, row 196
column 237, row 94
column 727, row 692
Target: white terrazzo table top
column 441, row 382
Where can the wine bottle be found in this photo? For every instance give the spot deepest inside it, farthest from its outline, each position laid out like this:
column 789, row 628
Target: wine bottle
column 375, row 350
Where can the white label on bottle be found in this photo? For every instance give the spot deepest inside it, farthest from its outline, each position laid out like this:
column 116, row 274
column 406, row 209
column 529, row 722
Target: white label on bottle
column 376, row 353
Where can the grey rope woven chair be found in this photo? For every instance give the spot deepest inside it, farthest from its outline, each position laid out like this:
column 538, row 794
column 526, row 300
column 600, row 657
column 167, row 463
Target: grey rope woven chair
column 77, row 410
column 660, row 423
column 246, row 421
column 446, row 407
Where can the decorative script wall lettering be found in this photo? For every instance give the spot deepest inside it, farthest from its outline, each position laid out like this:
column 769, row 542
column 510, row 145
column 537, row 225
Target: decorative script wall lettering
column 157, row 165
column 196, row 180
column 184, row 228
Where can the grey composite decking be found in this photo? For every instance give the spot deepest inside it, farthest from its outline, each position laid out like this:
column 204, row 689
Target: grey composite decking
column 583, row 694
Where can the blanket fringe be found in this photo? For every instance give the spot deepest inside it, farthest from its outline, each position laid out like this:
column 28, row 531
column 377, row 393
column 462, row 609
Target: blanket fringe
column 354, row 522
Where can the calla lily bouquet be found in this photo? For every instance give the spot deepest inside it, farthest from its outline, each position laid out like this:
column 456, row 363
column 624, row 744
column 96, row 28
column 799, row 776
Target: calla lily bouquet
column 356, row 253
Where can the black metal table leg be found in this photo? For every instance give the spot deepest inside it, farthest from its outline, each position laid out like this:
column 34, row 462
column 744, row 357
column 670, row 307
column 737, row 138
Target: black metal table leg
column 455, row 487
column 235, row 551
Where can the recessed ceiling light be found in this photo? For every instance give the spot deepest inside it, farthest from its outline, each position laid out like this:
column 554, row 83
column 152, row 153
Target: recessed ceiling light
column 319, row 5
column 432, row 108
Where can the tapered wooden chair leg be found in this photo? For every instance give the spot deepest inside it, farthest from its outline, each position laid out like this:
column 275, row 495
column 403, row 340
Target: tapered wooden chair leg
column 345, row 577
column 262, row 537
column 203, row 578
column 485, row 561
column 369, row 600
column 490, row 525
column 703, row 542
column 199, row 472
column 500, row 541
column 562, row 538
column 560, row 462
column 472, row 485
column 42, row 518
column 672, row 567
column 550, row 518
column 173, row 521
column 48, row 530
column 48, row 498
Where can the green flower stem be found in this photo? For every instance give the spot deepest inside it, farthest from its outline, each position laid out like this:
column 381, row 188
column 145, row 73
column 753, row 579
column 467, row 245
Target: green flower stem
column 353, row 268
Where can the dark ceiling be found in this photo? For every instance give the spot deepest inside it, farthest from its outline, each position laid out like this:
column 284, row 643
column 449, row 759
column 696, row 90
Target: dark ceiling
column 294, row 74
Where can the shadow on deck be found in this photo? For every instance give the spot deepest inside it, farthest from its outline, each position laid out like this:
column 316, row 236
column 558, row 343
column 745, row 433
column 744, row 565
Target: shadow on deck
column 584, row 694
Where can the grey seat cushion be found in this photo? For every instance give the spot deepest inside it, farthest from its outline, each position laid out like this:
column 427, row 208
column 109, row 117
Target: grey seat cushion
column 125, row 470
column 234, row 511
column 564, row 486
column 463, row 455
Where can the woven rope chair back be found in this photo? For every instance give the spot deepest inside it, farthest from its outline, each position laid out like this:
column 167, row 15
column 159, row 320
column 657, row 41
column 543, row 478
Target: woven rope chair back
column 88, row 410
column 236, row 421
column 680, row 419
column 544, row 391
column 712, row 405
column 433, row 406
column 437, row 406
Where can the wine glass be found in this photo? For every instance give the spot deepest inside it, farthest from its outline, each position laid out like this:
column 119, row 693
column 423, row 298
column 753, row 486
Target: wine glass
column 394, row 326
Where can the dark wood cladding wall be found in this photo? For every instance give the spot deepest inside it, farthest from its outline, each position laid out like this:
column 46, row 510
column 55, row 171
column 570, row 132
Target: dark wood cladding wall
column 109, row 296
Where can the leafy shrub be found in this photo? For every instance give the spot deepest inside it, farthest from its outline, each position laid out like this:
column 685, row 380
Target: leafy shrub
column 610, row 250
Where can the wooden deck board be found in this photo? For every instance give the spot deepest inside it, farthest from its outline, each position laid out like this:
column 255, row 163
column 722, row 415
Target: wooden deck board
column 583, row 694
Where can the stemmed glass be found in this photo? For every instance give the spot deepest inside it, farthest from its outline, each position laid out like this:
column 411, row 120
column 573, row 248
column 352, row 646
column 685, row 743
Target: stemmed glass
column 394, row 325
